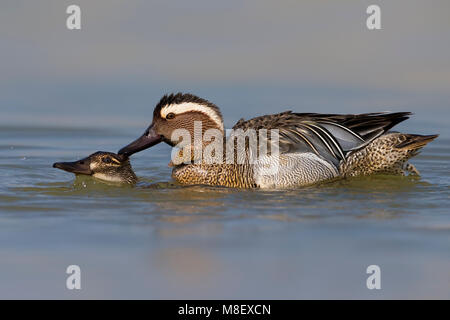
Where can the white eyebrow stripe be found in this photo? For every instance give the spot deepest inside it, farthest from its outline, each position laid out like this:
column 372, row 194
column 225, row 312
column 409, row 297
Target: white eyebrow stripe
column 191, row 106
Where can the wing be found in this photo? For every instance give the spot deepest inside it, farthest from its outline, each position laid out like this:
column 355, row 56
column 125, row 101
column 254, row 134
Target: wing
column 330, row 136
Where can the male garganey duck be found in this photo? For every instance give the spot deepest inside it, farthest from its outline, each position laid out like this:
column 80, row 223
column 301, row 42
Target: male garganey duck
column 106, row 166
column 312, row 147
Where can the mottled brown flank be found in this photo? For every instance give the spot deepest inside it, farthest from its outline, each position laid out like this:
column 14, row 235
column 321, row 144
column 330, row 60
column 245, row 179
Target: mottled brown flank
column 238, row 174
column 387, row 154
column 223, row 175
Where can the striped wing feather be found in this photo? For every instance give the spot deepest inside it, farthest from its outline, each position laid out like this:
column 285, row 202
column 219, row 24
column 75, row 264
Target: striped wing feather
column 330, row 136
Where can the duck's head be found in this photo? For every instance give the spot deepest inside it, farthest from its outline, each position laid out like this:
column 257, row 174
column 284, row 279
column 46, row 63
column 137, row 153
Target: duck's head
column 102, row 165
column 173, row 113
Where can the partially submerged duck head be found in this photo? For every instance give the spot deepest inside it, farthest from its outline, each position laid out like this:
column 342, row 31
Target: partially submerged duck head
column 102, row 165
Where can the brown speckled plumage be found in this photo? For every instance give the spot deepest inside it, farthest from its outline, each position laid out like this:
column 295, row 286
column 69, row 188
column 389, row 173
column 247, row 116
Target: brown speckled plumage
column 387, row 154
column 223, row 175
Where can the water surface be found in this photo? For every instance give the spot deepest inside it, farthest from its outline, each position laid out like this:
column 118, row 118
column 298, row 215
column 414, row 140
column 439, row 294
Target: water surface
column 204, row 242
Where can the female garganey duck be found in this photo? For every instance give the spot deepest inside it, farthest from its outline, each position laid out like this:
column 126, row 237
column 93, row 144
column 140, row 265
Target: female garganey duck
column 106, row 166
column 309, row 147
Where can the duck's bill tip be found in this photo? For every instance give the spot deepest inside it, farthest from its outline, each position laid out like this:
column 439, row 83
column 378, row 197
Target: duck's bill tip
column 147, row 140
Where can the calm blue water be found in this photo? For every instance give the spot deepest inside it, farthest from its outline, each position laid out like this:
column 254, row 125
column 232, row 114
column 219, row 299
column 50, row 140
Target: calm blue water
column 201, row 242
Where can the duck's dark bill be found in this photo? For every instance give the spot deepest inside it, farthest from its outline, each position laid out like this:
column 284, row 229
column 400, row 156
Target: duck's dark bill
column 77, row 167
column 147, row 140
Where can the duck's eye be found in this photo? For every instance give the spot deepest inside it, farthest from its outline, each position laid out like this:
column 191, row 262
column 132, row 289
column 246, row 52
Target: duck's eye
column 81, row 162
column 107, row 160
column 170, row 115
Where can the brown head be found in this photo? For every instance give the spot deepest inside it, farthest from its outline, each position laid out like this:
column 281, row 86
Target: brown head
column 176, row 112
column 102, row 165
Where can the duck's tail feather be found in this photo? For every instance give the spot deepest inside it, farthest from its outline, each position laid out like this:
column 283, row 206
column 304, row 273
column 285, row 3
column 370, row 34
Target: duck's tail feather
column 372, row 125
